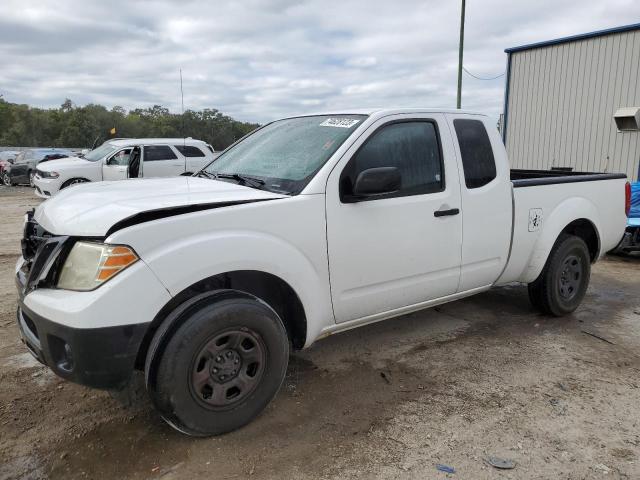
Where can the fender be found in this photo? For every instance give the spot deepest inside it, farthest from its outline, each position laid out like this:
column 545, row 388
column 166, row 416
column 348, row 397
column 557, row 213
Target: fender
column 575, row 208
column 261, row 236
column 246, row 250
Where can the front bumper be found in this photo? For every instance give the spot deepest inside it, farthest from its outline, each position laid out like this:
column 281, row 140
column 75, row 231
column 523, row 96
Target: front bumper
column 46, row 187
column 92, row 337
column 95, row 357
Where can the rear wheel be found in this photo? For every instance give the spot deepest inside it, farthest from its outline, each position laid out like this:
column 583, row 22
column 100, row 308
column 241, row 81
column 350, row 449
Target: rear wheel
column 221, row 367
column 563, row 282
column 6, row 179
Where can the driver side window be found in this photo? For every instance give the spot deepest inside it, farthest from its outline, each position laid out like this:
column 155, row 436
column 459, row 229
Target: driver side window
column 120, row 158
column 413, row 147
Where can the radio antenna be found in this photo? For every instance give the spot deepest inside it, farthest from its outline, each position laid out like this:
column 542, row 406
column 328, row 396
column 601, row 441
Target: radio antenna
column 182, row 102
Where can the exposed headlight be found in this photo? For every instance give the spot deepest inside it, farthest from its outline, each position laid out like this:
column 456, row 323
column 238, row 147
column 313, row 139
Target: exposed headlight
column 48, row 174
column 89, row 265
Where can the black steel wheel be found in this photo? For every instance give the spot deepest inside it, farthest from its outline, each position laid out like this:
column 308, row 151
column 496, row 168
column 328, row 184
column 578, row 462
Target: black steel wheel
column 563, row 282
column 216, row 365
column 570, row 277
column 228, row 368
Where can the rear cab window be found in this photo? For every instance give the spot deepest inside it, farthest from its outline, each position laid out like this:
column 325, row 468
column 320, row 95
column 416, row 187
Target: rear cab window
column 477, row 154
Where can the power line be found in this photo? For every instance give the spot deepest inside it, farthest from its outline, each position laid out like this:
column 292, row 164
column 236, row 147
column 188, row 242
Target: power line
column 482, row 78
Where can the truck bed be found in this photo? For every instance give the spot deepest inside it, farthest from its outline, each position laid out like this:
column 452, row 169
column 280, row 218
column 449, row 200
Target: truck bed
column 594, row 200
column 530, row 178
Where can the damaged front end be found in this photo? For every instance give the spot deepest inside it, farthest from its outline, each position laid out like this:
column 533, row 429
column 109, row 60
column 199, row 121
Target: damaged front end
column 42, row 256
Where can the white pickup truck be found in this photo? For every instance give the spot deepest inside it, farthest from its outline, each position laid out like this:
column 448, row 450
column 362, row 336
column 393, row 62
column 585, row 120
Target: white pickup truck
column 306, row 227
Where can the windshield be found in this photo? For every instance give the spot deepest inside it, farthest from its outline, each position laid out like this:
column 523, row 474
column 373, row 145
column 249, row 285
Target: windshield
column 287, row 153
column 100, row 152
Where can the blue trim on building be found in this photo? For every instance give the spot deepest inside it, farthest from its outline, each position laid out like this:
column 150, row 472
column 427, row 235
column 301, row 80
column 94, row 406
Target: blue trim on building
column 573, row 38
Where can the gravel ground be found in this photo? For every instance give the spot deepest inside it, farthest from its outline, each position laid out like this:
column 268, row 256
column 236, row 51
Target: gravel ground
column 453, row 385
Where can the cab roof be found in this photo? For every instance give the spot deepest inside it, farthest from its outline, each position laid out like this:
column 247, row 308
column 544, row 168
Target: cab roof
column 383, row 112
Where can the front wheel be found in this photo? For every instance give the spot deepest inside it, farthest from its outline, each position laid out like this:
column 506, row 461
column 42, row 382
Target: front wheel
column 6, row 179
column 31, row 175
column 221, row 367
column 563, row 282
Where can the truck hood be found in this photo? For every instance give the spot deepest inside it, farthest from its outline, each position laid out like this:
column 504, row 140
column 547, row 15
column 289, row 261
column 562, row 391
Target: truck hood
column 62, row 163
column 91, row 209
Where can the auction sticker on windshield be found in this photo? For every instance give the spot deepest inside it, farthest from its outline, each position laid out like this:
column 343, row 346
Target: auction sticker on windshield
column 339, row 122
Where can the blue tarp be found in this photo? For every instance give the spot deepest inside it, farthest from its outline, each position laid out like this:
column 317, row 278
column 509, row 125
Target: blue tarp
column 635, row 201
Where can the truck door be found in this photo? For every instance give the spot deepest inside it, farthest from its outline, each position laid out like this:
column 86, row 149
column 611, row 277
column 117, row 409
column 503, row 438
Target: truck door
column 115, row 167
column 401, row 248
column 486, row 199
column 161, row 161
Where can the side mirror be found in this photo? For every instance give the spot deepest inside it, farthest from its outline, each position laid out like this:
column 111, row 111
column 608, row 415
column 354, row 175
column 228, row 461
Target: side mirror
column 378, row 181
column 112, row 161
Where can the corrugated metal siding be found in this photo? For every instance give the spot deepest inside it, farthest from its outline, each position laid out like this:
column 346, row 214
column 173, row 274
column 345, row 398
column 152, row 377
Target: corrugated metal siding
column 561, row 102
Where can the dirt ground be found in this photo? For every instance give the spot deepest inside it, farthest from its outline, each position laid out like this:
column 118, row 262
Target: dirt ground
column 454, row 385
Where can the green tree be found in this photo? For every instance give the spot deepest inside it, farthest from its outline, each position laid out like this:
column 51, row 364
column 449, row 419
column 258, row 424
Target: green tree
column 81, row 127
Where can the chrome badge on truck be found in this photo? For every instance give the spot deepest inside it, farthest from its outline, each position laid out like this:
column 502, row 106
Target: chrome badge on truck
column 535, row 219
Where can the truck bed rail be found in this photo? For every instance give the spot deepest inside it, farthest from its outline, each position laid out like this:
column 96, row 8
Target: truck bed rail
column 531, row 178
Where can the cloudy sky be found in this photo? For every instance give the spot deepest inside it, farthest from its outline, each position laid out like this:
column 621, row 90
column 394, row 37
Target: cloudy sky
column 258, row 60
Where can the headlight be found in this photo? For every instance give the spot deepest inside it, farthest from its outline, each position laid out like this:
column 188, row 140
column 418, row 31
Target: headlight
column 48, row 174
column 89, row 265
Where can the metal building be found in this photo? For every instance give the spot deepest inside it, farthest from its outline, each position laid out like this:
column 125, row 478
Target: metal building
column 575, row 102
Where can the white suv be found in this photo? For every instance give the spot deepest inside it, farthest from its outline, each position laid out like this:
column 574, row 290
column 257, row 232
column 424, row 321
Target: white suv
column 125, row 158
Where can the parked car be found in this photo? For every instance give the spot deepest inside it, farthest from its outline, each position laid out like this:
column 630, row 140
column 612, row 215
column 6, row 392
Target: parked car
column 306, row 227
column 24, row 166
column 125, row 158
column 7, row 157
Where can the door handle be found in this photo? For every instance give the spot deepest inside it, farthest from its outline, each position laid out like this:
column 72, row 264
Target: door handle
column 444, row 213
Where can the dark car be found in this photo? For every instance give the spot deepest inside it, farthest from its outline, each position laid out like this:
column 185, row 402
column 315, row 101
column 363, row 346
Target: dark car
column 24, row 166
column 7, row 158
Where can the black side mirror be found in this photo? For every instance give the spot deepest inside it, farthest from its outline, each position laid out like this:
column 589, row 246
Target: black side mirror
column 378, row 181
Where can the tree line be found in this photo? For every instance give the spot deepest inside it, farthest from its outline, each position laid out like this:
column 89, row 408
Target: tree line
column 89, row 125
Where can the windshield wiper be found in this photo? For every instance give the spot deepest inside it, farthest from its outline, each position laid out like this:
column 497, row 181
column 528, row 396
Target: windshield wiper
column 240, row 178
column 205, row 174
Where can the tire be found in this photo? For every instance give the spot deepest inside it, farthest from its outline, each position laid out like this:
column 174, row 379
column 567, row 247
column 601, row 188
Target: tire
column 73, row 181
column 220, row 368
column 563, row 282
column 31, row 175
column 6, row 179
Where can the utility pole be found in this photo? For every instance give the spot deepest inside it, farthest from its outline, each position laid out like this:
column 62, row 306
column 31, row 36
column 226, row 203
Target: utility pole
column 460, row 51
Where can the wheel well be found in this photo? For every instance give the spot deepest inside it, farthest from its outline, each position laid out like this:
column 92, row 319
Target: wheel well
column 584, row 229
column 68, row 182
column 277, row 293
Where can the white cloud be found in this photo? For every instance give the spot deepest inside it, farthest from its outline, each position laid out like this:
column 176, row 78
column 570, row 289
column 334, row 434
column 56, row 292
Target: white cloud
column 260, row 59
column 362, row 62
